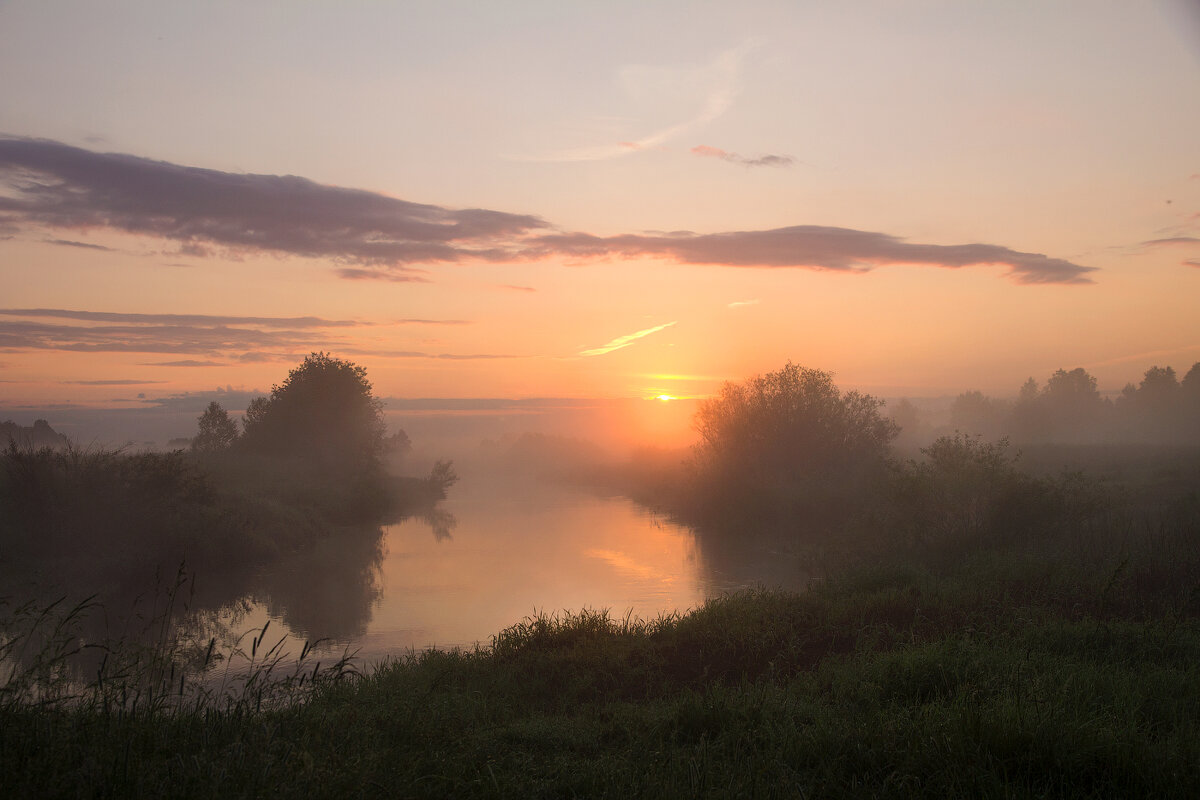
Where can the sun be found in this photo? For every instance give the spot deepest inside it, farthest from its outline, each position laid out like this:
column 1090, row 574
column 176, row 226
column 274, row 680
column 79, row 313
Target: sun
column 666, row 398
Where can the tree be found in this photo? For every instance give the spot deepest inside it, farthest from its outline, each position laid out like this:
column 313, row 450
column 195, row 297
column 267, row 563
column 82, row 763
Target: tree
column 1154, row 411
column 324, row 412
column 790, row 430
column 1068, row 409
column 216, row 430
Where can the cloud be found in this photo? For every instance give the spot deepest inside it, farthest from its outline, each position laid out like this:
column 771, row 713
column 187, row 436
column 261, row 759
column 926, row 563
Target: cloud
column 624, row 341
column 189, row 362
column 44, row 183
column 183, row 339
column 1172, row 240
column 762, row 161
column 405, row 276
column 191, row 334
column 181, row 319
column 1192, row 262
column 85, row 245
column 58, row 186
column 431, row 322
column 436, row 356
column 515, row 288
column 719, row 79
column 812, row 247
column 121, row 382
column 740, row 303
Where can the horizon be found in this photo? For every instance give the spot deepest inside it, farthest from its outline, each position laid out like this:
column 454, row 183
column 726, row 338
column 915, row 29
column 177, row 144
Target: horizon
column 978, row 196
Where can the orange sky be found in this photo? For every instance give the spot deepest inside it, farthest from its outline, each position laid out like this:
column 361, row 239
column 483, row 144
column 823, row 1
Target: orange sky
column 593, row 202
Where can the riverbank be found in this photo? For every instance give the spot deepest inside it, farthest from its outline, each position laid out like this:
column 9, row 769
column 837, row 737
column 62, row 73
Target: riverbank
column 1066, row 664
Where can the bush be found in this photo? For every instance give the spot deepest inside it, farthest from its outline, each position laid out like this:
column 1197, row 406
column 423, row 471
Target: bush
column 790, row 438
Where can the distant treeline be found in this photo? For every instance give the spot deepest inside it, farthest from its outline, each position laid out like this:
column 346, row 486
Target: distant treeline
column 39, row 435
column 1069, row 409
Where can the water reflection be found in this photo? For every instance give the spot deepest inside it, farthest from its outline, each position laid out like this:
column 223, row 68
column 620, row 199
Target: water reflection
column 329, row 590
column 493, row 553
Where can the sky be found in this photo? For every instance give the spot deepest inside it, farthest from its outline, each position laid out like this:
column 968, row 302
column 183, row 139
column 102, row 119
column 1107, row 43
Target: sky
column 605, row 200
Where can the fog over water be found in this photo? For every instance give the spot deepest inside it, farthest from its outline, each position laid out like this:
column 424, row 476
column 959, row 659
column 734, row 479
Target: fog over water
column 497, row 550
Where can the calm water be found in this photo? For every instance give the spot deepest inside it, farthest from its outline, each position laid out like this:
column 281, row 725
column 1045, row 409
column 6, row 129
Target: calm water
column 492, row 555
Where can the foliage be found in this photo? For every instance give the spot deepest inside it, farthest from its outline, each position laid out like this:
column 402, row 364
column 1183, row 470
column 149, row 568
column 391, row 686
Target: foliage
column 1068, row 409
column 790, row 433
column 216, row 430
column 324, row 412
column 966, row 490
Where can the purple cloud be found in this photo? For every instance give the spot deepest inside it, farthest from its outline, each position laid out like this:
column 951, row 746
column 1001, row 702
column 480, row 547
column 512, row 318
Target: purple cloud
column 705, row 151
column 45, row 183
column 59, row 186
column 813, row 247
column 83, row 245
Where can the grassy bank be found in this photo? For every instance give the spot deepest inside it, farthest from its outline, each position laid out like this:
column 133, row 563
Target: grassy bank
column 1056, row 659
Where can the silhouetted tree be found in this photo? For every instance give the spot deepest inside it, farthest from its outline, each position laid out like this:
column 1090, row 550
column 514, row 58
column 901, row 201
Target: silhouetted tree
column 1068, row 409
column 790, row 433
column 216, row 430
column 1152, row 411
column 324, row 412
column 1190, row 385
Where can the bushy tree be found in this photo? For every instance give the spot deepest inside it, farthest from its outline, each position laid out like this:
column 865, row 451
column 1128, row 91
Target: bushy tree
column 216, row 430
column 790, row 433
column 324, row 412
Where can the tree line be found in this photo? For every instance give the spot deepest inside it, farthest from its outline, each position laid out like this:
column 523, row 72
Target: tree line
column 1068, row 408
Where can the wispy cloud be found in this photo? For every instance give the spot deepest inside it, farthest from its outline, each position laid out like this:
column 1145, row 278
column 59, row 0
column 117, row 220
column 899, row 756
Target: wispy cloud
column 182, row 339
column 740, row 303
column 624, row 341
column 1192, row 262
column 515, row 288
column 435, row 356
column 83, row 245
column 1172, row 240
column 392, row 274
column 190, row 334
column 720, row 78
column 188, row 362
column 180, row 319
column 431, row 322
column 116, row 382
column 705, row 151
column 48, row 184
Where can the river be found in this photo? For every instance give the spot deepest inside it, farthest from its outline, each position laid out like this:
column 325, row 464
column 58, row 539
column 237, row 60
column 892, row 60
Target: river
column 494, row 553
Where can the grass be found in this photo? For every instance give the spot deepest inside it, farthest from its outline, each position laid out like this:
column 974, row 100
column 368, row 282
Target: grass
column 1050, row 650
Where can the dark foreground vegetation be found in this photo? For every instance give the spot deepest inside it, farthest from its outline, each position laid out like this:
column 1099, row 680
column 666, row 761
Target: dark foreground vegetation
column 983, row 629
column 310, row 467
